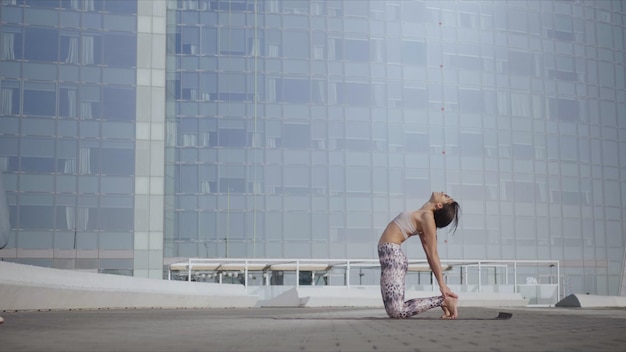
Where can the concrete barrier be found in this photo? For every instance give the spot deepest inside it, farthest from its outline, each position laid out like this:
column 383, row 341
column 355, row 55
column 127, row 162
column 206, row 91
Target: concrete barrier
column 327, row 296
column 369, row 296
column 588, row 301
column 26, row 287
column 492, row 299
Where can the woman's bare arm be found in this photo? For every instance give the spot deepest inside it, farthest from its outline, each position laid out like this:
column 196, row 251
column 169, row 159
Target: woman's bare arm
column 429, row 243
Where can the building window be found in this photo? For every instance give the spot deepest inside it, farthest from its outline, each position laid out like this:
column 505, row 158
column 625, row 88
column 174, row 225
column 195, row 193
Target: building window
column 352, row 93
column 296, row 45
column 9, row 98
column 120, row 7
column 36, row 217
column 232, row 185
column 118, row 103
column 41, row 44
column 39, row 99
column 119, row 50
column 116, row 219
column 472, row 144
column 523, row 152
column 357, row 50
column 414, row 53
column 11, row 48
column 563, row 109
column 114, row 161
column 38, row 165
column 231, row 137
column 416, row 142
column 471, row 101
column 293, row 90
column 233, row 41
column 296, row 136
column 521, row 63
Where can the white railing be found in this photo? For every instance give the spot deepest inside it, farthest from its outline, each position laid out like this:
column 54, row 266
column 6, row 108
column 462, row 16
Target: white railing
column 537, row 280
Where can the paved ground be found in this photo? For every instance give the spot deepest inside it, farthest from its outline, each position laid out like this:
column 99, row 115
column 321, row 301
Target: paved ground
column 312, row 329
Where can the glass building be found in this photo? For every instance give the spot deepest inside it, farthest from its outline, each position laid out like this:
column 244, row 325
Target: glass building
column 137, row 133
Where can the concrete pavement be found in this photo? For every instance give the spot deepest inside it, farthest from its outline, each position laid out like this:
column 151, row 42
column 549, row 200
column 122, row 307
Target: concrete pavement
column 312, row 329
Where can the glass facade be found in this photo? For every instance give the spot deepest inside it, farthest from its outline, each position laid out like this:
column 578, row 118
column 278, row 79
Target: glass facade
column 67, row 131
column 298, row 129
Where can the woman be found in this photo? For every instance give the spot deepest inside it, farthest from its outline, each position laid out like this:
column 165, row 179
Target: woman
column 438, row 212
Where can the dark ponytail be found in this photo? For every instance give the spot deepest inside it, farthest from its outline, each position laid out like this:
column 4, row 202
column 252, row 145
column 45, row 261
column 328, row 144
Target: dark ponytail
column 446, row 214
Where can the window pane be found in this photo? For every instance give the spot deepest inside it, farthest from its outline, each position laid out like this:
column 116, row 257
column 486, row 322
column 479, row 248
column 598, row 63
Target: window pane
column 36, row 217
column 117, row 185
column 51, row 4
column 297, row 136
column 293, row 90
column 120, row 50
column 232, row 137
column 39, row 99
column 38, row 126
column 123, row 7
column 9, row 98
column 564, row 109
column 114, row 161
column 414, row 53
column 39, row 165
column 91, row 49
column 36, row 147
column 296, row 45
column 116, row 241
column 116, row 219
column 34, row 240
column 41, row 44
column 415, row 98
column 188, row 179
column 119, row 103
column 209, row 38
column 354, row 94
column 233, row 41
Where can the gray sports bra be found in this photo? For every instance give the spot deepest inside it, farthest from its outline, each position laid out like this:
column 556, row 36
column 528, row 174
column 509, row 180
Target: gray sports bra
column 406, row 224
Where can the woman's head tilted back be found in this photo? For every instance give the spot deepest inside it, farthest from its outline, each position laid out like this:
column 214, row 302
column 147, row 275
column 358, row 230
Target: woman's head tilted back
column 447, row 214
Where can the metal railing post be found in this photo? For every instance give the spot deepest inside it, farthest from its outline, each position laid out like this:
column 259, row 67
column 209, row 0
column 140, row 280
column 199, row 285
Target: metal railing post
column 189, row 270
column 348, row 273
column 245, row 272
column 514, row 277
column 479, row 277
column 297, row 273
column 558, row 281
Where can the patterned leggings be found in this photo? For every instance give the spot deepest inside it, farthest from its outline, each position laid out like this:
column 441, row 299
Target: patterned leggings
column 393, row 265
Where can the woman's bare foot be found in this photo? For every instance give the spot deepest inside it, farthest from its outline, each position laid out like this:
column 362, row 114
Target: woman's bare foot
column 450, row 304
column 446, row 313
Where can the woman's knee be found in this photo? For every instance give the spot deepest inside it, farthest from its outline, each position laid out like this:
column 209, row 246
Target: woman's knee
column 395, row 313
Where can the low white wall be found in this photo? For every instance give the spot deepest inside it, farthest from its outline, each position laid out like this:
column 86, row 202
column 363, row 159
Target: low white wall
column 492, row 299
column 369, row 296
column 26, row 287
